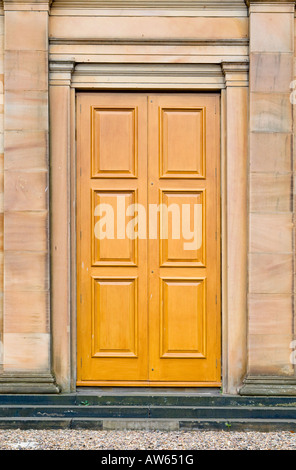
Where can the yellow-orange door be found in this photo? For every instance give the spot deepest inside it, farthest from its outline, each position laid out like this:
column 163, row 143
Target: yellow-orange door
column 148, row 233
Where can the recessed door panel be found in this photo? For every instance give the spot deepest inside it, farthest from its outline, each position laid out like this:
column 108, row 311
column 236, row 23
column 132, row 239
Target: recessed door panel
column 183, row 318
column 114, row 142
column 110, row 244
column 182, row 132
column 182, row 228
column 115, row 316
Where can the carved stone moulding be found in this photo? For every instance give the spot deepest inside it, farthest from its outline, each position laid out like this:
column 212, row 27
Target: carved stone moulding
column 268, row 386
column 28, row 383
column 248, row 2
column 29, row 5
column 153, row 4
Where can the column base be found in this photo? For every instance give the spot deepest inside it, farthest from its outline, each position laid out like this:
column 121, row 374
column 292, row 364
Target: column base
column 268, row 386
column 28, row 383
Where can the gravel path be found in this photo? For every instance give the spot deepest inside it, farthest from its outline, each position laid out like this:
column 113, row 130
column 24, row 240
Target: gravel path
column 144, row 440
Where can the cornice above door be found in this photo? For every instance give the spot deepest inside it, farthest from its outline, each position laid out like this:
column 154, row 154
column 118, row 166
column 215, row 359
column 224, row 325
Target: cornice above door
column 151, row 4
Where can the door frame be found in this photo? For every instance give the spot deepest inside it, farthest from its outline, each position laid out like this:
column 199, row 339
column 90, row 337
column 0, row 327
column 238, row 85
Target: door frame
column 231, row 80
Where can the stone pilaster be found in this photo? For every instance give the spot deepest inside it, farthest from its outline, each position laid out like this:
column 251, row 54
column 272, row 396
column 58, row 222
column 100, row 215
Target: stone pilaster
column 234, row 250
column 1, row 175
column 26, row 327
column 270, row 299
column 60, row 168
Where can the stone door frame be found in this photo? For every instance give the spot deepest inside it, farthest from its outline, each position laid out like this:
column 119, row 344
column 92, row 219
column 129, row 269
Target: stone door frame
column 231, row 79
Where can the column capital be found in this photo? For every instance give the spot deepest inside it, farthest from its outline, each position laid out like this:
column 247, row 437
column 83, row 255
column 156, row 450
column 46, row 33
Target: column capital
column 272, row 6
column 280, row 2
column 61, row 72
column 27, row 5
column 236, row 73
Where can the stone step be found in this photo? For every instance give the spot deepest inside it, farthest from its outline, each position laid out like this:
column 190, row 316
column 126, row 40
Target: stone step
column 146, row 400
column 266, row 425
column 171, row 411
column 146, row 412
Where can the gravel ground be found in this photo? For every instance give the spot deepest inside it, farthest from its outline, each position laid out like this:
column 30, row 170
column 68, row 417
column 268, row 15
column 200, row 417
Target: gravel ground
column 144, row 440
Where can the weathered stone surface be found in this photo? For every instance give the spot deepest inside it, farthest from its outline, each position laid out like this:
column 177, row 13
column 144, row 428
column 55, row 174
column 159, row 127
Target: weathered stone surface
column 26, row 231
column 266, row 314
column 35, row 348
column 270, row 354
column 16, row 272
column 271, row 152
column 270, row 192
column 26, row 110
column 271, row 244
column 271, row 32
column 270, row 273
column 31, row 27
column 271, row 232
column 270, row 112
column 22, row 311
column 27, row 70
column 26, row 191
column 271, row 72
column 26, row 150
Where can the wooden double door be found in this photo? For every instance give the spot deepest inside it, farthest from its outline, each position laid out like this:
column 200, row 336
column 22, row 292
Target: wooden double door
column 148, row 239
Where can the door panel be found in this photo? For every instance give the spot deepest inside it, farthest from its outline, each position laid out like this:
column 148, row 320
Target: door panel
column 148, row 306
column 183, row 172
column 112, row 157
column 112, row 171
column 180, row 248
column 176, row 127
column 115, row 322
column 112, row 251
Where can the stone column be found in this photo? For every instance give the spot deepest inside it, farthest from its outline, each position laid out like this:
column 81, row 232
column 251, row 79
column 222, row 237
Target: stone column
column 234, row 251
column 1, row 176
column 26, row 328
column 270, row 299
column 60, row 168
